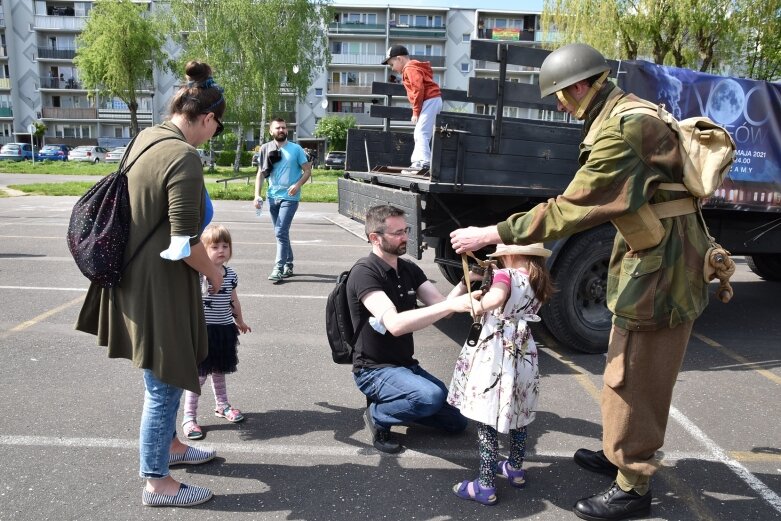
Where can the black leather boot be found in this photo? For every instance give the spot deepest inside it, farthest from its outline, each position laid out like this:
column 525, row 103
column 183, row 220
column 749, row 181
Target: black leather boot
column 595, row 462
column 613, row 504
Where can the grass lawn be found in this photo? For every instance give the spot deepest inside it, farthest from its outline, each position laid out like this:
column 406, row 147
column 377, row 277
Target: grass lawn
column 56, row 167
column 322, row 189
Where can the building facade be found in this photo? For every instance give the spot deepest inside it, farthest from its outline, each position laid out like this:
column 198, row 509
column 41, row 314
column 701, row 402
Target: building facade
column 39, row 82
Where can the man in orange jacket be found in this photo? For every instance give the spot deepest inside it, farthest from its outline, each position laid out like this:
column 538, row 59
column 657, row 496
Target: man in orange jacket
column 424, row 96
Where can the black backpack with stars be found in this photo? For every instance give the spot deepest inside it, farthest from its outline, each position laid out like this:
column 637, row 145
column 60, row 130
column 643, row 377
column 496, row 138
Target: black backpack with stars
column 99, row 226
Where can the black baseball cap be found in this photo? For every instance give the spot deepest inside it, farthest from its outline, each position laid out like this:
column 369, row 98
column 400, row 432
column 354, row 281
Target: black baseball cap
column 393, row 51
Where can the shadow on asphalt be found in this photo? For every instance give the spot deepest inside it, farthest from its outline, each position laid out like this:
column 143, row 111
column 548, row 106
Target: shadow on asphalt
column 391, row 491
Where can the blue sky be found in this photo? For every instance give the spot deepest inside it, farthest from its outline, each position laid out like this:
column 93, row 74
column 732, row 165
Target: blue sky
column 493, row 5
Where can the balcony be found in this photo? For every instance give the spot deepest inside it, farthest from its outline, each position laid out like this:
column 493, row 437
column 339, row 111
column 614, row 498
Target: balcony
column 436, row 61
column 3, row 52
column 48, row 82
column 339, row 88
column 60, row 23
column 400, row 31
column 6, row 112
column 123, row 115
column 361, row 118
column 69, row 113
column 357, row 59
column 512, row 35
column 355, row 28
column 57, row 53
column 5, row 83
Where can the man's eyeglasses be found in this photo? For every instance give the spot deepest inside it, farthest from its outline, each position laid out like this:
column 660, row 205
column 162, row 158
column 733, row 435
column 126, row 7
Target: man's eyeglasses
column 397, row 233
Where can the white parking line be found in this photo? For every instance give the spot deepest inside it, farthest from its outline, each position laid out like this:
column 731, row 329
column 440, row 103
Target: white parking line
column 713, row 453
column 243, row 295
column 720, row 455
column 341, row 450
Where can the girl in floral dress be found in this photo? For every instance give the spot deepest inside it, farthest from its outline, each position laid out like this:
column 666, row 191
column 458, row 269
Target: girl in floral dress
column 496, row 381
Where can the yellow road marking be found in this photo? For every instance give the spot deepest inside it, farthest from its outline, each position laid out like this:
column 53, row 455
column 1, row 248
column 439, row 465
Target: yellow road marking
column 739, row 358
column 758, row 457
column 44, row 316
column 581, row 375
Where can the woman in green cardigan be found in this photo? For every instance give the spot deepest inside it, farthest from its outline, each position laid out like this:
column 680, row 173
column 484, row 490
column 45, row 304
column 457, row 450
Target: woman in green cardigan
column 154, row 317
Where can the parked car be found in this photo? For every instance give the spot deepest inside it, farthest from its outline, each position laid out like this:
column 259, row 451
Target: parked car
column 92, row 154
column 335, row 159
column 16, row 151
column 115, row 155
column 54, row 153
column 205, row 159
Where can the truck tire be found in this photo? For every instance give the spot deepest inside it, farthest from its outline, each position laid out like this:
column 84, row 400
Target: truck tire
column 766, row 265
column 445, row 251
column 577, row 315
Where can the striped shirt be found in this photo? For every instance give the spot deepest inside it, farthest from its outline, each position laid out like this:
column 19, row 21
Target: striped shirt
column 218, row 307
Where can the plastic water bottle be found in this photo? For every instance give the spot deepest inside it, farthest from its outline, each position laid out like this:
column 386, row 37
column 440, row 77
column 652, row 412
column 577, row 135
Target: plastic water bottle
column 259, row 209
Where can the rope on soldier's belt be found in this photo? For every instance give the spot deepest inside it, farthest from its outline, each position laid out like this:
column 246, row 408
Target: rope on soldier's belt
column 719, row 265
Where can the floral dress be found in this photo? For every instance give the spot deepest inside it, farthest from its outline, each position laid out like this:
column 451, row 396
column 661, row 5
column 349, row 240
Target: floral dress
column 496, row 382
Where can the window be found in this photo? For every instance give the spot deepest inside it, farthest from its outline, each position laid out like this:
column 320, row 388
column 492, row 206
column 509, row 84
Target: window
column 466, row 37
column 465, row 67
column 318, row 92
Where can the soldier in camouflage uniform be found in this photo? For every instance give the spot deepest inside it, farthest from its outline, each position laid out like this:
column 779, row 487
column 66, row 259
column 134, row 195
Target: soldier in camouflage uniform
column 655, row 294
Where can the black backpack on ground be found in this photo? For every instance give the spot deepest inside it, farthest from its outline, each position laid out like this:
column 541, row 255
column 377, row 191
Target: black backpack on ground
column 99, row 226
column 339, row 324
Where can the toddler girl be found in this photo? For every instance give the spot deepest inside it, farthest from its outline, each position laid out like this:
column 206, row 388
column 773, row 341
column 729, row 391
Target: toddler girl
column 223, row 323
column 496, row 381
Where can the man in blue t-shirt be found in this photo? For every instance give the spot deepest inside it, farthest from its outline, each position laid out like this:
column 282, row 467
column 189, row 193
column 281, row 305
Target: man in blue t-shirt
column 287, row 167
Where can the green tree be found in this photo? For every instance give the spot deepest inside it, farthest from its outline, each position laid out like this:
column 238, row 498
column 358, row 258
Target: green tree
column 334, row 129
column 698, row 34
column 260, row 50
column 117, row 51
column 760, row 44
column 40, row 130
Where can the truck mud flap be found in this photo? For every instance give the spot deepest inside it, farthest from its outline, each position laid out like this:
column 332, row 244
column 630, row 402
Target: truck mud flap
column 355, row 198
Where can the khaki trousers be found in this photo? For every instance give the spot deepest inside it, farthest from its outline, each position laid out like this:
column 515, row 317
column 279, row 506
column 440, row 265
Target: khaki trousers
column 641, row 370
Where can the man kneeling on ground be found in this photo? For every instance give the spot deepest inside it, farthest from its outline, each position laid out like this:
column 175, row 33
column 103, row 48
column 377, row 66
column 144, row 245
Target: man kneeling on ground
column 385, row 288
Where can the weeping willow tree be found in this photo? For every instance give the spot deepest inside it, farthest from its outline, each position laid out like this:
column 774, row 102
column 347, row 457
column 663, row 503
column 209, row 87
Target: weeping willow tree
column 116, row 66
column 698, row 34
column 261, row 51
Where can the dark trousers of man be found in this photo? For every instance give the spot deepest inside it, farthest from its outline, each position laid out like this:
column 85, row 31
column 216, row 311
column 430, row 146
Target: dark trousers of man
column 641, row 371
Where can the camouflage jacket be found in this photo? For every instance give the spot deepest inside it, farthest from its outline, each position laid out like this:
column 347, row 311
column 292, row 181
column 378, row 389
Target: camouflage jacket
column 623, row 159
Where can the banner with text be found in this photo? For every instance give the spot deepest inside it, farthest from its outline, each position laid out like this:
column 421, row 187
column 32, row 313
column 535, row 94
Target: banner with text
column 750, row 110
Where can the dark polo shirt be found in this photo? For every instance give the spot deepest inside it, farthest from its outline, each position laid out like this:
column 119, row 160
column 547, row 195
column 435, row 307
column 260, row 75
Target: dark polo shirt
column 373, row 350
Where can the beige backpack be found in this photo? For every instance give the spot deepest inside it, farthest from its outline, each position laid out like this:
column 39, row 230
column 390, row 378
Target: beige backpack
column 706, row 148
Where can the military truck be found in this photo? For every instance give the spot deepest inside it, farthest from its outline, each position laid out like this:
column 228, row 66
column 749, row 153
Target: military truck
column 486, row 167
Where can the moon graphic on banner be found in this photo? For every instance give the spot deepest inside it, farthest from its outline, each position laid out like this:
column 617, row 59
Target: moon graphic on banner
column 726, row 102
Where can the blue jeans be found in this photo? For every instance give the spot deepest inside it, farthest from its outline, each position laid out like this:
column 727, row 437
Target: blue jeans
column 282, row 212
column 158, row 425
column 402, row 395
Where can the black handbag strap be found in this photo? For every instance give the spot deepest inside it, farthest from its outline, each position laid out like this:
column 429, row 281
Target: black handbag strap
column 123, row 171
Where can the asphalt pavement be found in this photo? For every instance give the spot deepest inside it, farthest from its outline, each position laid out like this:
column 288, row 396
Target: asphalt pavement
column 70, row 415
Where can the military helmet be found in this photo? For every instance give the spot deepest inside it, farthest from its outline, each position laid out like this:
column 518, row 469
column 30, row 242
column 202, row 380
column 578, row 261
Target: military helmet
column 568, row 65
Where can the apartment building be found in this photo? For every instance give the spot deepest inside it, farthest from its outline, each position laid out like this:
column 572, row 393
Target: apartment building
column 359, row 35
column 39, row 82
